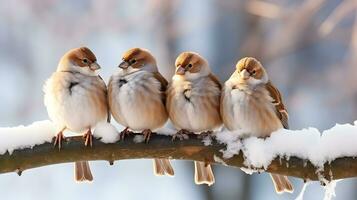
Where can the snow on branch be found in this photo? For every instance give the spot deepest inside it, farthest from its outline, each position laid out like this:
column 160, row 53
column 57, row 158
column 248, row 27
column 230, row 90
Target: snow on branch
column 307, row 153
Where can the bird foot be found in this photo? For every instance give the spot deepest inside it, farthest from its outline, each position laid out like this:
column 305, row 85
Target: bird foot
column 58, row 140
column 88, row 138
column 125, row 132
column 181, row 135
column 147, row 134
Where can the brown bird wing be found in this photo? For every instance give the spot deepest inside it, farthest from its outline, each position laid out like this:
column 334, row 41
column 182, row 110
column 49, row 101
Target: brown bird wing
column 106, row 97
column 281, row 111
column 216, row 80
column 164, row 84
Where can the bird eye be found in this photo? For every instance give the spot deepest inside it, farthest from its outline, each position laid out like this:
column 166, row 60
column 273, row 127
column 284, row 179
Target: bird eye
column 85, row 61
column 189, row 65
column 132, row 61
column 253, row 72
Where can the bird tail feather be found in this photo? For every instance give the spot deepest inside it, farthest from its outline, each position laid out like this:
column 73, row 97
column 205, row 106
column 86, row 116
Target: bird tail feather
column 281, row 184
column 82, row 171
column 163, row 167
column 203, row 174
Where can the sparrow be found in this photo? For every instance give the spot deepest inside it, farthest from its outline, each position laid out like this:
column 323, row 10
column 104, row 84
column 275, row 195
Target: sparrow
column 76, row 100
column 250, row 102
column 136, row 96
column 193, row 100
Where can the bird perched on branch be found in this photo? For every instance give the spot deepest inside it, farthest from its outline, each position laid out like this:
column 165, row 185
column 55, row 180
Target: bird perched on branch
column 75, row 98
column 137, row 98
column 250, row 102
column 193, row 100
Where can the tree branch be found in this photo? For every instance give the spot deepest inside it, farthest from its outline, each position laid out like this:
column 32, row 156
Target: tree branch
column 162, row 147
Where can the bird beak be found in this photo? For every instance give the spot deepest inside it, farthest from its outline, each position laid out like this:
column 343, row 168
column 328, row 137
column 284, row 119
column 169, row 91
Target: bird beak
column 244, row 74
column 94, row 66
column 180, row 71
column 124, row 65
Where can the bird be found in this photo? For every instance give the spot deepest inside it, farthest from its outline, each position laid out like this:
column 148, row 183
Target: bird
column 193, row 100
column 75, row 97
column 136, row 96
column 251, row 103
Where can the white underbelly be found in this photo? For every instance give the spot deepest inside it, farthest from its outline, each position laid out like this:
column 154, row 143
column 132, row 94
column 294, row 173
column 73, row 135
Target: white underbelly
column 194, row 115
column 253, row 116
column 76, row 112
column 139, row 109
column 188, row 117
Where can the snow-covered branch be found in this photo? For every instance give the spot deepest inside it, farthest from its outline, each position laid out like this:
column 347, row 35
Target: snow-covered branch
column 306, row 153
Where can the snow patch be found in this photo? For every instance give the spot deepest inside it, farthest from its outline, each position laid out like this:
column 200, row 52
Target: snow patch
column 166, row 131
column 330, row 190
column 309, row 144
column 232, row 141
column 207, row 140
column 260, row 152
column 250, row 171
column 138, row 139
column 106, row 132
column 21, row 137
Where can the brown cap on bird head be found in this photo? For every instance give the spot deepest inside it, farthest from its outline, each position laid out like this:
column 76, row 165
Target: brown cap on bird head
column 137, row 58
column 189, row 62
column 79, row 57
column 250, row 67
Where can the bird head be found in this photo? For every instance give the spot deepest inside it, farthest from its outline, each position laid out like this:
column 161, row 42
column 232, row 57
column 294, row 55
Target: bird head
column 250, row 71
column 191, row 66
column 81, row 60
column 137, row 59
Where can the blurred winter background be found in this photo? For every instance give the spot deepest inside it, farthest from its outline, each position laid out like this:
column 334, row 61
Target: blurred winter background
column 309, row 48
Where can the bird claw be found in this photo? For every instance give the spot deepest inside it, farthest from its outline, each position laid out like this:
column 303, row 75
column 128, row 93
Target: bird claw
column 58, row 140
column 147, row 134
column 181, row 135
column 124, row 133
column 88, row 138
